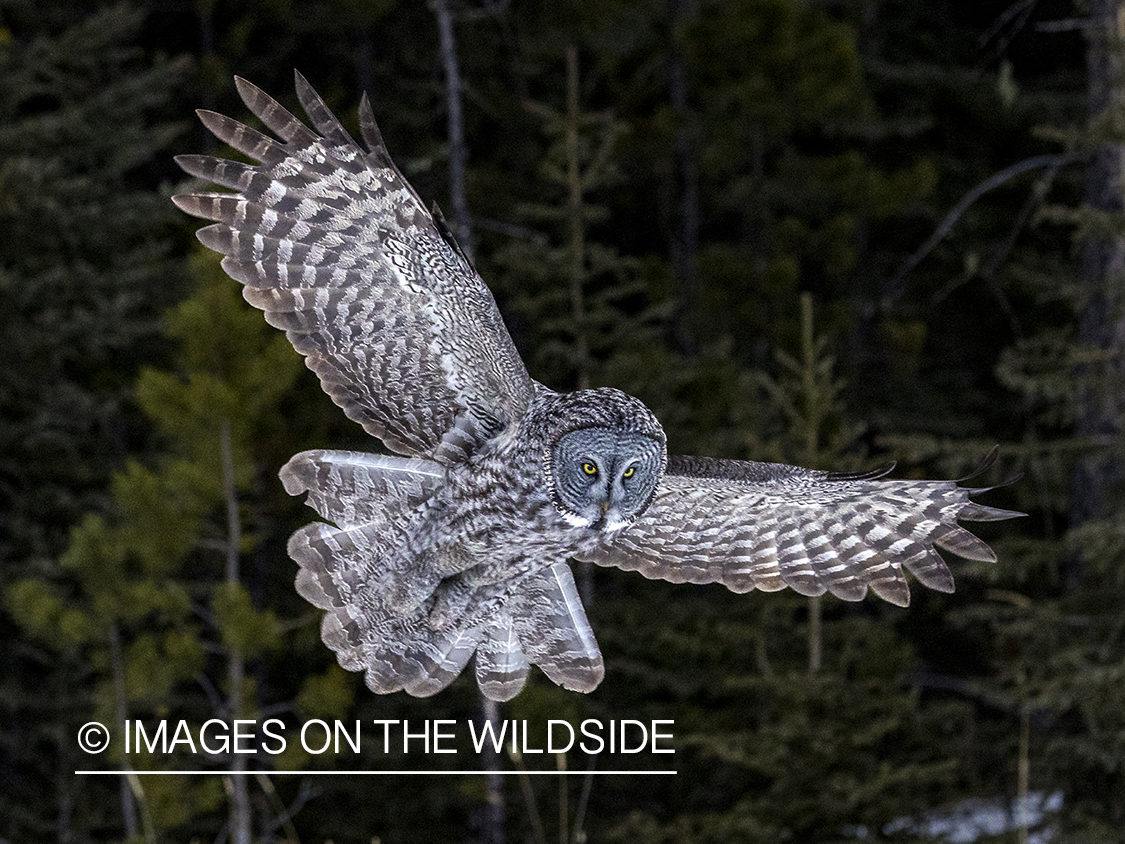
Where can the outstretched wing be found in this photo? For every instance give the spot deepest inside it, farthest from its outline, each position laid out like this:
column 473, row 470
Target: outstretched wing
column 337, row 249
column 767, row 526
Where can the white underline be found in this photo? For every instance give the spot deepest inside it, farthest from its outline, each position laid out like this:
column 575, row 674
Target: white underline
column 376, row 773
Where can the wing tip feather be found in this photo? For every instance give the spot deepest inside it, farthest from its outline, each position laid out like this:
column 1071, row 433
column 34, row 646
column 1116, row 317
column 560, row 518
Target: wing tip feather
column 295, row 475
column 186, row 202
column 248, row 91
column 893, row 591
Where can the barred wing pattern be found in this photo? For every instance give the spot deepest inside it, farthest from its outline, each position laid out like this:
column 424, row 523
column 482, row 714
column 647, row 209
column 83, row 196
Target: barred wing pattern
column 767, row 526
column 341, row 568
column 534, row 620
column 337, row 249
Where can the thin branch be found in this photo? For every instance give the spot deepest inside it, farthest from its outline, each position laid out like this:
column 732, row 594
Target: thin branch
column 284, row 813
column 146, row 815
column 538, row 834
column 128, row 806
column 575, row 201
column 896, row 285
column 564, row 802
column 579, row 834
column 1064, row 25
column 240, row 796
column 1005, row 17
column 1000, row 254
column 1023, row 776
column 511, row 230
column 212, row 693
column 980, row 693
column 230, row 496
column 1021, row 12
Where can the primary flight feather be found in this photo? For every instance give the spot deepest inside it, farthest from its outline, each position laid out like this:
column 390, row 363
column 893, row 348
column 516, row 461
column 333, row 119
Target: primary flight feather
column 460, row 547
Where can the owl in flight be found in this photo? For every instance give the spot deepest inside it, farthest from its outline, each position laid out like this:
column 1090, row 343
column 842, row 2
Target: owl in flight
column 460, row 547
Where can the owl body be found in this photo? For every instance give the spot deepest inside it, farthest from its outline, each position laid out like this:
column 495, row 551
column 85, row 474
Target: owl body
column 458, row 550
column 469, row 533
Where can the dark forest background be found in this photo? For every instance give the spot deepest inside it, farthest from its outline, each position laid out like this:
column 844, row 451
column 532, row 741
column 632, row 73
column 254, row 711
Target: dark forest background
column 831, row 232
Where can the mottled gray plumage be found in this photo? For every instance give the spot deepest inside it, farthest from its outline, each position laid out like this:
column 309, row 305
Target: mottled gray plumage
column 461, row 547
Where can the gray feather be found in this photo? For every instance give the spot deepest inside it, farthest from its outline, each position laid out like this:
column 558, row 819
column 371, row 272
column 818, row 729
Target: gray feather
column 552, row 628
column 501, row 665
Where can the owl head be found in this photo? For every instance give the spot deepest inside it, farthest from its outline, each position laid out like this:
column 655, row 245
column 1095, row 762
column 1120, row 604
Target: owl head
column 604, row 461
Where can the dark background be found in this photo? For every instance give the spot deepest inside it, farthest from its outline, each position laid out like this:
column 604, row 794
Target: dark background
column 833, row 233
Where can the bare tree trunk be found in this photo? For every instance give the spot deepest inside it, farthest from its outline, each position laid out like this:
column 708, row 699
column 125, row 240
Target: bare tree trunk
column 574, row 219
column 239, row 789
column 577, row 225
column 685, row 237
column 128, row 804
column 132, row 794
column 455, row 127
column 1102, row 321
column 812, row 458
column 1023, row 775
column 494, row 808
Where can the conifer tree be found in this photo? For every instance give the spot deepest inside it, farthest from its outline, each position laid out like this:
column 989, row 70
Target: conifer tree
column 793, row 717
column 587, row 302
column 787, row 117
column 85, row 270
column 86, row 267
column 154, row 602
column 1055, row 614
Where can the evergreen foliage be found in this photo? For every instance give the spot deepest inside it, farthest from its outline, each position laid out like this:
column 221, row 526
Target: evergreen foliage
column 85, row 236
column 148, row 611
column 1059, row 635
column 586, row 302
column 85, row 270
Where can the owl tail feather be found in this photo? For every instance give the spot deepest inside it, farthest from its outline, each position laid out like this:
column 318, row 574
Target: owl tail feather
column 550, row 624
column 540, row 621
column 536, row 620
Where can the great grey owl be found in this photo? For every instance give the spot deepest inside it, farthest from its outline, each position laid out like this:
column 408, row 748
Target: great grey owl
column 461, row 547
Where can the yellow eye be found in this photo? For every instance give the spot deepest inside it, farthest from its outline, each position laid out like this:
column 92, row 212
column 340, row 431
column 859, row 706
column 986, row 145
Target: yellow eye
column 589, row 469
column 628, row 473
